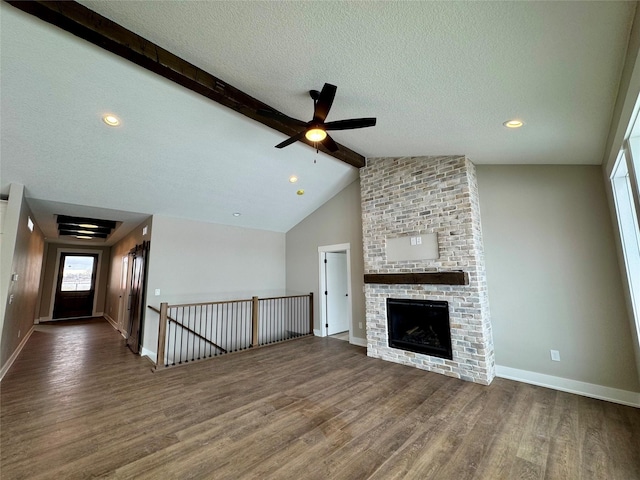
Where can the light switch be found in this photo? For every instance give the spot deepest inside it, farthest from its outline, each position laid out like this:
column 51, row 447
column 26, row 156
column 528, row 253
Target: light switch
column 414, row 241
column 157, row 293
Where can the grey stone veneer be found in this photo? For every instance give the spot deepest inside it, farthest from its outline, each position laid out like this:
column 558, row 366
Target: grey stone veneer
column 418, row 195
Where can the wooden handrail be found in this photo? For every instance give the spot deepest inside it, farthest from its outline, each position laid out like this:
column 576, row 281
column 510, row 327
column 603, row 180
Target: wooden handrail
column 181, row 305
column 187, row 329
column 286, row 296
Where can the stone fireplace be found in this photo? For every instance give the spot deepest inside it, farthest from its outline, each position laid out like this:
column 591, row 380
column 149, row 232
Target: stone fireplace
column 403, row 201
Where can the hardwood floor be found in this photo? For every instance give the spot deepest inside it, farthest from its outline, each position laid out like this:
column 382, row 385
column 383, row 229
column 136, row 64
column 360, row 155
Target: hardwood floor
column 78, row 404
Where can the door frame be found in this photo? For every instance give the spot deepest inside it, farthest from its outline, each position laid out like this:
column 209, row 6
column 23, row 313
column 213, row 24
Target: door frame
column 54, row 288
column 340, row 247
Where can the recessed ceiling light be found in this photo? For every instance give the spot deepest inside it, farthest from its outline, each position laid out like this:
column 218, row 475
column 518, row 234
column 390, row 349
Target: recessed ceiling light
column 88, row 225
column 300, row 192
column 84, row 237
column 513, row 124
column 236, row 214
column 111, row 120
column 293, row 179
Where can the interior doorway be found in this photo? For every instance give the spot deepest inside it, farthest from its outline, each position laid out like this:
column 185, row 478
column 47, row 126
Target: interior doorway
column 335, row 289
column 75, row 290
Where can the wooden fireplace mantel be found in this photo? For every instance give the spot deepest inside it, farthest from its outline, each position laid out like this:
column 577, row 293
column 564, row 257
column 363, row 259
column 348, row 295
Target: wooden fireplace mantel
column 432, row 278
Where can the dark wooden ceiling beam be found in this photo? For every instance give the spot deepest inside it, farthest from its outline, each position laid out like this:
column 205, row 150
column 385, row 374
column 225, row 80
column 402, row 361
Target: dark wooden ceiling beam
column 87, row 24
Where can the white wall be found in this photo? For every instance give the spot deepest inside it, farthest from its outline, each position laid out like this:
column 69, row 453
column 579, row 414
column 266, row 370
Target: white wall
column 10, row 220
column 624, row 113
column 193, row 261
column 337, row 221
column 553, row 276
column 22, row 252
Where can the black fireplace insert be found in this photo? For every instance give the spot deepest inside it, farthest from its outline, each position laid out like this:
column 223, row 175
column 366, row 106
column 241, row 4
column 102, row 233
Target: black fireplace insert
column 420, row 326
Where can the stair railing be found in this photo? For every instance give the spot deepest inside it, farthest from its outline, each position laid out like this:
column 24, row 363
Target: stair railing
column 196, row 331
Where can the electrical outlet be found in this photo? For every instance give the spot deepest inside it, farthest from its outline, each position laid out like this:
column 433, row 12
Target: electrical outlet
column 10, row 299
column 555, row 355
column 360, row 325
column 418, row 240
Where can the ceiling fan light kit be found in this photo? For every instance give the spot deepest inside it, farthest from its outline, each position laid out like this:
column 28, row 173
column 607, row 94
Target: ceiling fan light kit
column 316, row 134
column 316, row 129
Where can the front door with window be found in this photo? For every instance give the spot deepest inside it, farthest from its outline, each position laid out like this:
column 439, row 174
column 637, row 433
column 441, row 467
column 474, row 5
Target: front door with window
column 75, row 289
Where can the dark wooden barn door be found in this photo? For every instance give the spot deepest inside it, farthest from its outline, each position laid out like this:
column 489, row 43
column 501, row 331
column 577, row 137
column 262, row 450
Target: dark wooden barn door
column 138, row 262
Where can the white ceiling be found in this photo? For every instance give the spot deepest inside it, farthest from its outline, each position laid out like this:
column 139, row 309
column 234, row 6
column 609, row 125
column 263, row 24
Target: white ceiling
column 441, row 77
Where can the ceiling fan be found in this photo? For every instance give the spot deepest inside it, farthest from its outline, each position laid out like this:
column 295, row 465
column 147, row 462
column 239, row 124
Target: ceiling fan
column 316, row 129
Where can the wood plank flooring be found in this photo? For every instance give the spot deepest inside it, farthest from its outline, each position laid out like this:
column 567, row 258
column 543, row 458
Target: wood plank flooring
column 78, row 404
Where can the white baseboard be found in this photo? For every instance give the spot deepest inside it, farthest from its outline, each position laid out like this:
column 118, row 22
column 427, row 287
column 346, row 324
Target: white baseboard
column 148, row 353
column 361, row 342
column 114, row 324
column 15, row 354
column 44, row 319
column 615, row 395
column 111, row 321
column 317, row 332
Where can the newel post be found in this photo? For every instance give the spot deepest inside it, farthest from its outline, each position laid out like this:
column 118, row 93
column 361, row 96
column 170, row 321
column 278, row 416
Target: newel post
column 162, row 333
column 254, row 321
column 310, row 312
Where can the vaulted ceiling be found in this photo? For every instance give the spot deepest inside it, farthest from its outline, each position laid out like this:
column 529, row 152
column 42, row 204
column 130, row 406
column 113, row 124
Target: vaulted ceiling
column 441, row 78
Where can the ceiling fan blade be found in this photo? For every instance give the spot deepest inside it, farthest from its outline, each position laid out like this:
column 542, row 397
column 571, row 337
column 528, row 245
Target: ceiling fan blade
column 350, row 124
column 325, row 100
column 281, row 117
column 330, row 144
column 291, row 140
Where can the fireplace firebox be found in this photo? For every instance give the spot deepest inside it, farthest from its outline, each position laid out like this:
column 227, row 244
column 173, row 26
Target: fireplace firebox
column 420, row 326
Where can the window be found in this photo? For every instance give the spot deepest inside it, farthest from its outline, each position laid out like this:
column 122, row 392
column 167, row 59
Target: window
column 77, row 273
column 625, row 194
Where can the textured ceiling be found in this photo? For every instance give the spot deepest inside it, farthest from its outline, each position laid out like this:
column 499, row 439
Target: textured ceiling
column 441, row 77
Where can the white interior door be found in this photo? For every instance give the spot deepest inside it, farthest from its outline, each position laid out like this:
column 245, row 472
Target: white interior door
column 337, row 292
